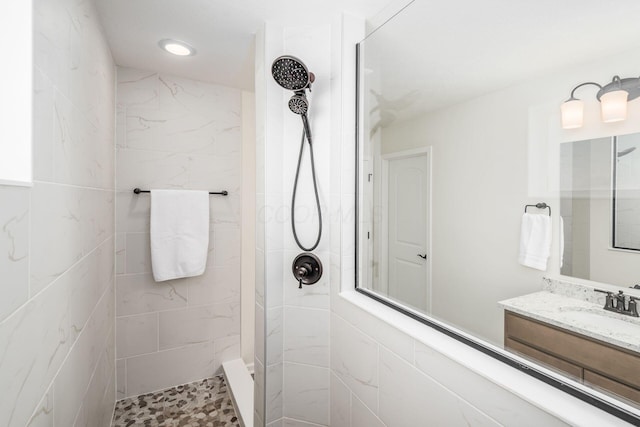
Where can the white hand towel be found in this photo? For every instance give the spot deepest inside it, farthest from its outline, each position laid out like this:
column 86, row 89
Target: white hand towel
column 535, row 241
column 179, row 233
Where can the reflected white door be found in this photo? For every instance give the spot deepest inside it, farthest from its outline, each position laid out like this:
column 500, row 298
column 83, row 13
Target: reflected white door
column 407, row 201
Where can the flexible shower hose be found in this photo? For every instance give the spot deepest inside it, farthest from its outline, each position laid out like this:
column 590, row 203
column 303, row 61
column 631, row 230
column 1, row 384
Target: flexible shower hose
column 315, row 189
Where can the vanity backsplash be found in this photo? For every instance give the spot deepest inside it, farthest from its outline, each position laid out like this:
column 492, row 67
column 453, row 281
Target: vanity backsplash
column 573, row 290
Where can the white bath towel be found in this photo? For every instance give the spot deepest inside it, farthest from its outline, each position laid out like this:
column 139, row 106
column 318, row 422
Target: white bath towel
column 535, row 241
column 179, row 233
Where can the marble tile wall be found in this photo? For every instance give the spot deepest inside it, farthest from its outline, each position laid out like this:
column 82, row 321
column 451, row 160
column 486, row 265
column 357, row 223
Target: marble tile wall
column 175, row 133
column 57, row 238
column 306, row 311
column 294, row 329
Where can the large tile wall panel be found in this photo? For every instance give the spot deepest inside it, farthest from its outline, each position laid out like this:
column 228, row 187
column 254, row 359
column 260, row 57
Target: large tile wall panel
column 259, row 393
column 408, row 397
column 274, row 392
column 274, row 334
column 151, row 372
column 136, row 335
column 57, row 238
column 42, row 332
column 101, row 391
column 307, row 336
column 198, row 324
column 43, row 415
column 78, row 369
column 121, row 379
column 359, row 373
column 80, row 217
column 306, row 393
column 176, row 133
column 481, row 392
column 138, row 293
column 14, row 248
column 35, row 342
column 339, row 403
column 361, row 416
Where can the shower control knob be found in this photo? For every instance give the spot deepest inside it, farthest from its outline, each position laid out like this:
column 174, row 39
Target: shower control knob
column 304, row 270
column 307, row 269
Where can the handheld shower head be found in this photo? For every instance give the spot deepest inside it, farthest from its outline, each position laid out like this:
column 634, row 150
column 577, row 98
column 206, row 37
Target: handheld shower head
column 298, row 104
column 291, row 73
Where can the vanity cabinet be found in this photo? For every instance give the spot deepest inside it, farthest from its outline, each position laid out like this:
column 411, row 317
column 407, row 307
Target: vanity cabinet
column 588, row 360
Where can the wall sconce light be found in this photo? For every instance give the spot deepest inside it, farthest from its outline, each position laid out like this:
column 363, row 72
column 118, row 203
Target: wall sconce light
column 613, row 99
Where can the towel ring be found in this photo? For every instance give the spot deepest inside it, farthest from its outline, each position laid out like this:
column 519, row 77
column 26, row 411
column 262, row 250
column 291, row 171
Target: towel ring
column 540, row 205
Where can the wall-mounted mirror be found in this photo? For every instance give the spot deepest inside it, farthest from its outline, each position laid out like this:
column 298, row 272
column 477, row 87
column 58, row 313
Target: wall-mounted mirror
column 600, row 209
column 446, row 148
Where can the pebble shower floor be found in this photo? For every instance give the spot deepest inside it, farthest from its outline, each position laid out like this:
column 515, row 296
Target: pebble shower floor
column 203, row 403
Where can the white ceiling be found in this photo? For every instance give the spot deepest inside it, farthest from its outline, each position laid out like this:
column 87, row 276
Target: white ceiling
column 222, row 31
column 458, row 48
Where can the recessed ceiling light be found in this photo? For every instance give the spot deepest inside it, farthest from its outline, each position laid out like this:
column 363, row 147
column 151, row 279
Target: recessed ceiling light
column 176, row 47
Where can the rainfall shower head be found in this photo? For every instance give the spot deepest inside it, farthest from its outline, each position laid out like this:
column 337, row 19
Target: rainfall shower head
column 291, row 73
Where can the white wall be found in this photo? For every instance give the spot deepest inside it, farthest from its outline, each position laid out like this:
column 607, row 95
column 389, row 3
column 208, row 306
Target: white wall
column 16, row 105
column 57, row 239
column 176, row 133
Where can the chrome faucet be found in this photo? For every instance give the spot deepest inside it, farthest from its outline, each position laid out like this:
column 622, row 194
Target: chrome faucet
column 620, row 303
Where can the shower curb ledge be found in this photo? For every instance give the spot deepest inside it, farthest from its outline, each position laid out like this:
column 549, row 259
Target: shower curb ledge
column 240, row 386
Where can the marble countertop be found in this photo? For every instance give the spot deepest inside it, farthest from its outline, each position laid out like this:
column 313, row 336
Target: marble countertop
column 579, row 316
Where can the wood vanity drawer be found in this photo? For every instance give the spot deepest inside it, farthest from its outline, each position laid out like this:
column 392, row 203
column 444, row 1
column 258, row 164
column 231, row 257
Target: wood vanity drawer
column 574, row 371
column 599, row 357
column 598, row 380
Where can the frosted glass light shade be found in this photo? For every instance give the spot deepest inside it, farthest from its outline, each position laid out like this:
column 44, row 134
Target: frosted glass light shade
column 572, row 114
column 613, row 106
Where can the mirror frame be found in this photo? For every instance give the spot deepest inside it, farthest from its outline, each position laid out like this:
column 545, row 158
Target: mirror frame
column 614, row 192
column 530, row 368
